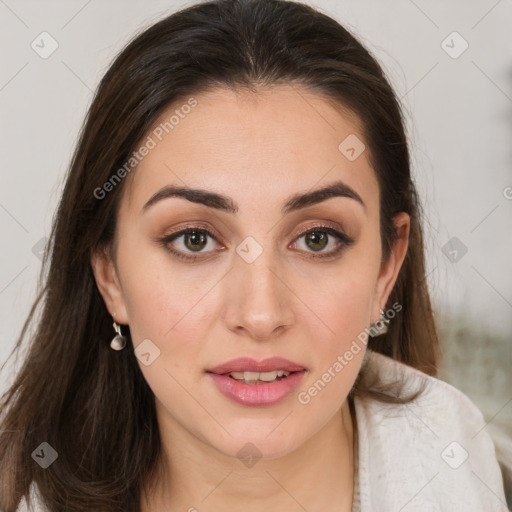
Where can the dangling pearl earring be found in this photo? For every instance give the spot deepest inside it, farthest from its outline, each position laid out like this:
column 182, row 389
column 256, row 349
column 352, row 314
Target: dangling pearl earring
column 118, row 341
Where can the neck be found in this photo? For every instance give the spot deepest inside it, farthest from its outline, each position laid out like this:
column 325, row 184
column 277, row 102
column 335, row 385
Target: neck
column 317, row 475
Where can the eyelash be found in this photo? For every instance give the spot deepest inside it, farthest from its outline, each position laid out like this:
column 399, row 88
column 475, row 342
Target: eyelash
column 343, row 240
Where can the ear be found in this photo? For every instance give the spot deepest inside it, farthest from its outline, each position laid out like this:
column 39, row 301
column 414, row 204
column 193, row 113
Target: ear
column 389, row 270
column 108, row 283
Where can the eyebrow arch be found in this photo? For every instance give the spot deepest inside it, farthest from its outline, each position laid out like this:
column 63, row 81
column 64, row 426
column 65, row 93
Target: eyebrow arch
column 225, row 203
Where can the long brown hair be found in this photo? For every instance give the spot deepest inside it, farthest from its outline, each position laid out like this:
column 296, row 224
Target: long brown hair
column 91, row 404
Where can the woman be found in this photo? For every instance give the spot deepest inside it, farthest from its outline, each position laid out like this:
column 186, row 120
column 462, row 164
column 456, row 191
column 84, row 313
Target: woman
column 235, row 314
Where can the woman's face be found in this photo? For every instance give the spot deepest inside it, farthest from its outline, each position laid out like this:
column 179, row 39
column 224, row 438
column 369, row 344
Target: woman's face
column 249, row 283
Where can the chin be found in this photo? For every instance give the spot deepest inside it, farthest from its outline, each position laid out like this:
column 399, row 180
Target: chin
column 255, row 444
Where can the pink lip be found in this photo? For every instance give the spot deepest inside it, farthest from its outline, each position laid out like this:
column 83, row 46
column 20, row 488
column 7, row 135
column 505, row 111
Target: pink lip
column 257, row 394
column 267, row 393
column 247, row 364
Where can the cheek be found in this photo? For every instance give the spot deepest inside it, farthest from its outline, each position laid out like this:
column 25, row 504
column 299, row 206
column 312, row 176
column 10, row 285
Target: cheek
column 353, row 298
column 343, row 301
column 161, row 297
column 151, row 305
column 345, row 312
column 343, row 296
column 169, row 321
column 170, row 307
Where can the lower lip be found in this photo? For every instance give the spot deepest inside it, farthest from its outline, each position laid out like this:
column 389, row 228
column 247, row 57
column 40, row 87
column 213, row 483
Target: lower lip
column 257, row 394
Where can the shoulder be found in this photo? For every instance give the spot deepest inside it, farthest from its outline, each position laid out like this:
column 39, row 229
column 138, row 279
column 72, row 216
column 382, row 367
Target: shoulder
column 436, row 396
column 432, row 453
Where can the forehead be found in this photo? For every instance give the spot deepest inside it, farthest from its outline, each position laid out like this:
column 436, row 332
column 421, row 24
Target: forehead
column 247, row 144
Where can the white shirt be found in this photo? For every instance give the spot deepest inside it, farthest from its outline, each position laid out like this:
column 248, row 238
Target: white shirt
column 431, row 455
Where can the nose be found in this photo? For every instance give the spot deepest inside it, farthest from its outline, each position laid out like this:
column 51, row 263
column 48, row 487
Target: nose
column 259, row 301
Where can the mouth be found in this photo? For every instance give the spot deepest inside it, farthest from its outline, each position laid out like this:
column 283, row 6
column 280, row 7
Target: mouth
column 250, row 382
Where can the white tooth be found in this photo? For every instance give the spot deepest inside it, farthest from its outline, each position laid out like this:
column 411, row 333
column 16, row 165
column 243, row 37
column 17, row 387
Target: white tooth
column 263, row 376
column 268, row 376
column 251, row 375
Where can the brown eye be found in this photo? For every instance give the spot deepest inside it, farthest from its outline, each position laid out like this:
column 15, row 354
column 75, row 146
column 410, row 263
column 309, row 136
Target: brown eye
column 186, row 242
column 195, row 240
column 316, row 240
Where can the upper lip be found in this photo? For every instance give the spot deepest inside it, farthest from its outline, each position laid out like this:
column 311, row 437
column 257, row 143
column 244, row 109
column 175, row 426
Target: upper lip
column 247, row 364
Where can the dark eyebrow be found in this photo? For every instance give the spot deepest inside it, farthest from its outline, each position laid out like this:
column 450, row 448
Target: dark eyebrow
column 336, row 189
column 224, row 203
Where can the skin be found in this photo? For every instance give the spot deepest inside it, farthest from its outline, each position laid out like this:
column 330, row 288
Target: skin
column 259, row 149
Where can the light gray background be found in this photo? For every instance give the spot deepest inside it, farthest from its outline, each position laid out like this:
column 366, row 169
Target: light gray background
column 459, row 122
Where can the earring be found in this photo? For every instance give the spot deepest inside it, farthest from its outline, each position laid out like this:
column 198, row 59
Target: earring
column 380, row 326
column 118, row 341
